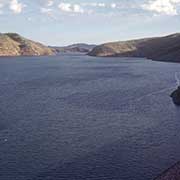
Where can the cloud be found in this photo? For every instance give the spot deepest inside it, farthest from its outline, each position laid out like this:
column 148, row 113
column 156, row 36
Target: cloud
column 113, row 5
column 16, row 7
column 50, row 3
column 48, row 12
column 167, row 7
column 94, row 4
column 45, row 10
column 1, row 5
column 99, row 4
column 78, row 9
column 73, row 8
column 29, row 19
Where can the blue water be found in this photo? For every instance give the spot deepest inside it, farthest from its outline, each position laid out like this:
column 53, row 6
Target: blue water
column 74, row 117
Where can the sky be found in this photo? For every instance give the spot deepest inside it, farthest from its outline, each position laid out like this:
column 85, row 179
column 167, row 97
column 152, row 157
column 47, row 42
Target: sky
column 64, row 22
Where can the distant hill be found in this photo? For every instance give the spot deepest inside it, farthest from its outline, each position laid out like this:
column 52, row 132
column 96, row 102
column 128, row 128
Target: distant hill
column 79, row 48
column 165, row 48
column 12, row 44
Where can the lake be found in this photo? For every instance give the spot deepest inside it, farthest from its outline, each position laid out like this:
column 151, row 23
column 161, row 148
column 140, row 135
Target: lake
column 74, row 117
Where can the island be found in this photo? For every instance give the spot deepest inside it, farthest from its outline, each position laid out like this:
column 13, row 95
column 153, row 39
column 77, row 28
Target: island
column 173, row 173
column 176, row 96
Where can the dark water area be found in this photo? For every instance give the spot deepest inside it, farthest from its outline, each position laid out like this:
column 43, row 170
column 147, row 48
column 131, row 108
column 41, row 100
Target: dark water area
column 74, row 117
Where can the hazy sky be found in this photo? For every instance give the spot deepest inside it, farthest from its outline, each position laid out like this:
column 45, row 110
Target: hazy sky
column 62, row 22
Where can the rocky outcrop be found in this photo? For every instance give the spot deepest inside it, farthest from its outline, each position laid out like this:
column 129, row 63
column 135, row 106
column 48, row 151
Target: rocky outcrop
column 160, row 48
column 176, row 96
column 172, row 173
column 12, row 44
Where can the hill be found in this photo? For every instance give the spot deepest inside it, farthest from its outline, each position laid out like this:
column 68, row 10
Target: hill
column 79, row 48
column 12, row 44
column 165, row 48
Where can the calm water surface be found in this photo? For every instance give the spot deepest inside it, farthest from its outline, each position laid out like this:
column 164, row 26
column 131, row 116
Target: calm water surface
column 75, row 117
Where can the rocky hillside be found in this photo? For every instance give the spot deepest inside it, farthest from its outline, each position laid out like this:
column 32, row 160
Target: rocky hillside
column 75, row 48
column 160, row 48
column 12, row 44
